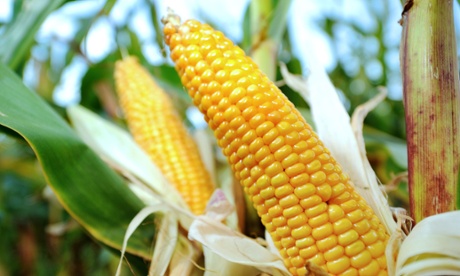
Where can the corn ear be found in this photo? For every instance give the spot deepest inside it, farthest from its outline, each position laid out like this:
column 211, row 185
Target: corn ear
column 157, row 128
column 305, row 200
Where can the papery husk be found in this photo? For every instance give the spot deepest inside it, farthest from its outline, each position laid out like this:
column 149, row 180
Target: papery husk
column 432, row 247
column 230, row 249
column 165, row 242
column 183, row 261
column 119, row 149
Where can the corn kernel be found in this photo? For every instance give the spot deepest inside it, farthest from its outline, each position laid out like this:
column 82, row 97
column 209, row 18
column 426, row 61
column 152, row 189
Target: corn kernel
column 305, row 242
column 356, row 216
column 301, row 232
column 290, row 160
column 322, row 231
column 372, row 268
column 298, row 261
column 318, row 259
column 334, row 253
column 349, row 206
column 279, row 180
column 335, row 212
column 351, row 272
column 311, row 202
column 297, row 221
column 339, row 265
column 313, row 166
column 283, row 231
column 370, row 237
column 362, row 259
column 327, row 243
column 318, row 220
column 318, row 178
column 295, row 169
column 354, row 248
column 289, row 201
column 324, row 191
column 348, row 237
column 287, row 242
column 299, row 180
column 292, row 211
column 376, row 249
column 362, row 227
column 275, row 211
column 308, row 252
column 314, row 211
column 305, row 191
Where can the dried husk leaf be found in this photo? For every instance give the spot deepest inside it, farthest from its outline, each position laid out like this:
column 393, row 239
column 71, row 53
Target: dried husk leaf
column 183, row 261
column 432, row 247
column 224, row 247
column 235, row 247
column 162, row 250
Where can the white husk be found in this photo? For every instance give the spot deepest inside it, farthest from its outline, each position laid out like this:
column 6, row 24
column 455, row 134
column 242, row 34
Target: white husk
column 165, row 244
column 205, row 147
column 184, row 258
column 437, row 239
column 137, row 220
column 236, row 252
column 118, row 148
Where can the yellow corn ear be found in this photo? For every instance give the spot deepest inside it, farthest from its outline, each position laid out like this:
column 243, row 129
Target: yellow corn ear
column 305, row 200
column 157, row 128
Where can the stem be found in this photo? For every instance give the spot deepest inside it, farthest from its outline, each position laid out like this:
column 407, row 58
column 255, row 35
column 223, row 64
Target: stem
column 263, row 49
column 431, row 87
column 268, row 24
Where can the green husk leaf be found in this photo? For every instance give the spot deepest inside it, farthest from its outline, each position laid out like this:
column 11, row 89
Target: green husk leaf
column 89, row 190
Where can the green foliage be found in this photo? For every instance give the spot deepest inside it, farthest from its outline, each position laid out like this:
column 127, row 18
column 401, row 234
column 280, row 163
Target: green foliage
column 82, row 182
column 20, row 33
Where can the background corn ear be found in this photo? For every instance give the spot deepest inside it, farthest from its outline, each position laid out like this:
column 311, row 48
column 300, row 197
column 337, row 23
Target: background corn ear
column 158, row 129
column 306, row 202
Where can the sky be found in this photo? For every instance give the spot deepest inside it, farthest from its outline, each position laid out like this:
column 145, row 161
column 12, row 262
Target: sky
column 303, row 21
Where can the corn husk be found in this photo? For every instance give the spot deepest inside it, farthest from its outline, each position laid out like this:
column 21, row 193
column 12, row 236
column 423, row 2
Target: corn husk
column 432, row 247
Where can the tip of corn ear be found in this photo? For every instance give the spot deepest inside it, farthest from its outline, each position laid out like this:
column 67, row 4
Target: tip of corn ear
column 171, row 18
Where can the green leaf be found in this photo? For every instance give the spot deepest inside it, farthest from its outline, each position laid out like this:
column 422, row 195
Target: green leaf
column 20, row 33
column 156, row 26
column 89, row 190
column 397, row 147
column 277, row 25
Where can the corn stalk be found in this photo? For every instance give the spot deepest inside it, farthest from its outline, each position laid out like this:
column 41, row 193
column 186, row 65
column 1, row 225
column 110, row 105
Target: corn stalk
column 268, row 24
column 431, row 87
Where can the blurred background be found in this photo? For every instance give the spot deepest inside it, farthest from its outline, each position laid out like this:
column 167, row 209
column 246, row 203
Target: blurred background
column 66, row 52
